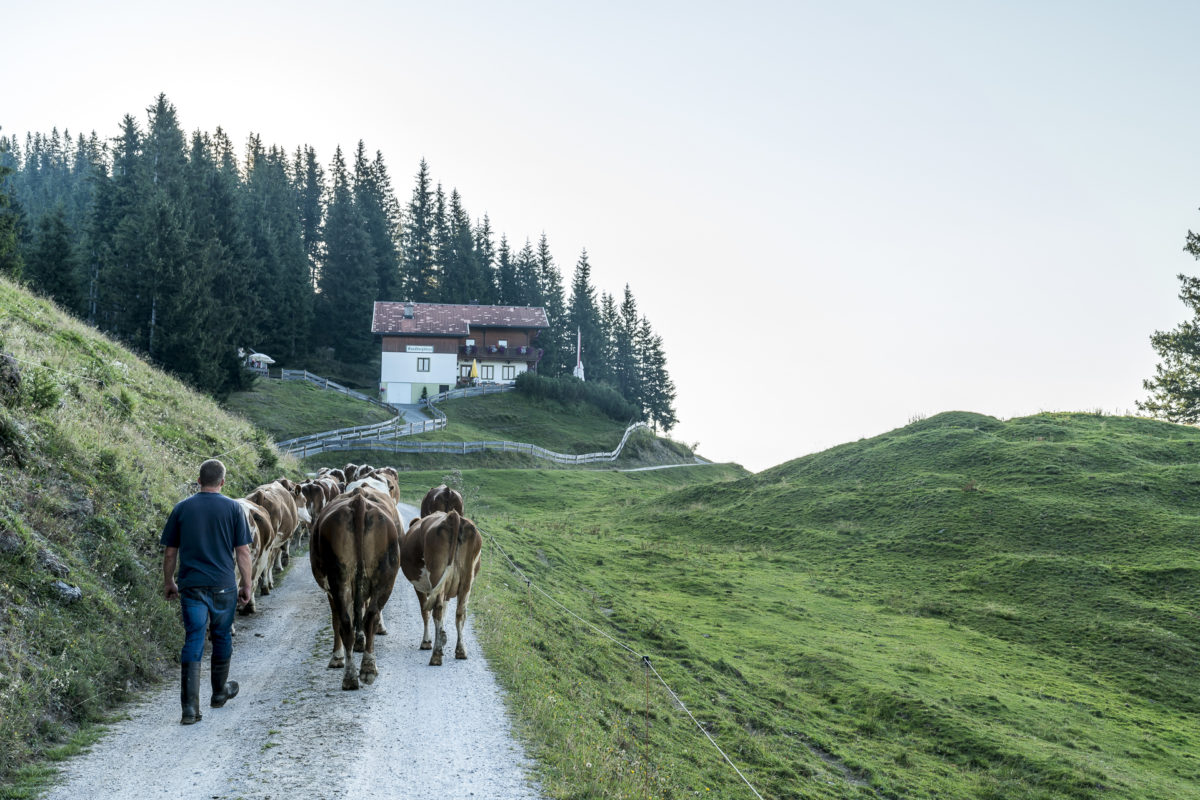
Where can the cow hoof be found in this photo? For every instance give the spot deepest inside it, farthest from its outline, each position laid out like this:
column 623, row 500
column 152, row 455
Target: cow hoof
column 265, row 589
column 360, row 643
column 380, row 630
column 246, row 610
column 426, row 645
column 337, row 662
column 350, row 683
column 435, row 660
column 460, row 654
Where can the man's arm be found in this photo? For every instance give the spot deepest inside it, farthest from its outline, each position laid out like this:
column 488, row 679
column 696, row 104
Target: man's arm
column 246, row 590
column 170, row 590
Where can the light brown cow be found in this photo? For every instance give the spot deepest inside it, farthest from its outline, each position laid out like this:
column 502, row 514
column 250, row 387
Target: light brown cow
column 441, row 498
column 336, row 474
column 281, row 507
column 355, row 555
column 262, row 531
column 440, row 557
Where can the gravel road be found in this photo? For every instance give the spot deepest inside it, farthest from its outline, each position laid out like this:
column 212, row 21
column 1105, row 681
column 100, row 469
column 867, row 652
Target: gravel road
column 416, row 732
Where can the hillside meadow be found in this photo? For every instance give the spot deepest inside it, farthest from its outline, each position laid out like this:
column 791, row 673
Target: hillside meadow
column 960, row 608
column 95, row 449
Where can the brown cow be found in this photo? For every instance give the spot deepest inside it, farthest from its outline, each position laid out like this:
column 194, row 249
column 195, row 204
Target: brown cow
column 281, row 507
column 441, row 498
column 262, row 531
column 440, row 557
column 336, row 474
column 355, row 555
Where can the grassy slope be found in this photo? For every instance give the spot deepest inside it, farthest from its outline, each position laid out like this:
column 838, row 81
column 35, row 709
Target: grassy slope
column 960, row 608
column 286, row 409
column 93, row 453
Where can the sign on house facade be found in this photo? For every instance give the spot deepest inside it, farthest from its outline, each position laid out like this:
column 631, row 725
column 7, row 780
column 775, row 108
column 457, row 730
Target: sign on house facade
column 431, row 347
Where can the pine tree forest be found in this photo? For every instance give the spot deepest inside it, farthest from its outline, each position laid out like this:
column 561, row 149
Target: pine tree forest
column 190, row 249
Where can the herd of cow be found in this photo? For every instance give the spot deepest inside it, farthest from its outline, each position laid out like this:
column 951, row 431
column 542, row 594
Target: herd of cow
column 357, row 545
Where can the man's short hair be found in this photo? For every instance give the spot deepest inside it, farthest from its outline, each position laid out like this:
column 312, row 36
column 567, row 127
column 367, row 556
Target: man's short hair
column 212, row 472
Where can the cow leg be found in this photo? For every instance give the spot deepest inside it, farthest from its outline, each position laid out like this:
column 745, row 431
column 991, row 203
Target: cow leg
column 439, row 639
column 460, row 618
column 380, row 628
column 349, row 676
column 338, row 659
column 360, row 635
column 368, row 671
column 426, row 642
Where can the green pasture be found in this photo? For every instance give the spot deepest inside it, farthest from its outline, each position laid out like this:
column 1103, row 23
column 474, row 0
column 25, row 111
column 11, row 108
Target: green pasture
column 963, row 608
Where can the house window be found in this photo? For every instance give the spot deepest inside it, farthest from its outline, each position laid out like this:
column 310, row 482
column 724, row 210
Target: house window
column 502, row 343
column 422, row 365
column 470, row 342
column 486, row 372
column 508, row 373
column 464, row 370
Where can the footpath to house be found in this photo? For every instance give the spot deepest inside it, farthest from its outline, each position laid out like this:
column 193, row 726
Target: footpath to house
column 384, row 436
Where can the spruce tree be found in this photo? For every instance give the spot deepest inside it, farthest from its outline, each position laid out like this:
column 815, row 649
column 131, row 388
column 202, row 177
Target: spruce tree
column 658, row 390
column 584, row 316
column 276, row 231
column 485, row 257
column 308, row 180
column 508, row 291
column 377, row 205
column 529, row 284
column 463, row 281
column 627, row 370
column 348, row 280
column 419, row 279
column 52, row 267
column 558, row 357
column 603, row 362
column 10, row 223
column 442, row 248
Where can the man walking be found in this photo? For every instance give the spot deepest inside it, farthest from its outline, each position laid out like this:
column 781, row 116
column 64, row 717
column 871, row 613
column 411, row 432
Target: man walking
column 203, row 533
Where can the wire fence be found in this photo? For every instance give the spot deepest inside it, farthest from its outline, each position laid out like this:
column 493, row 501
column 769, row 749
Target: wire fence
column 390, row 444
column 643, row 658
column 325, row 383
column 383, row 436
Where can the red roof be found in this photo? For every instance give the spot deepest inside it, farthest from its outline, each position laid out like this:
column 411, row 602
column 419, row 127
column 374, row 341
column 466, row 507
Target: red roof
column 442, row 319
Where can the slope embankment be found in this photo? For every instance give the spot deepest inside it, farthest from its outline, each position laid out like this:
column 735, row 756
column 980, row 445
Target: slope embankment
column 95, row 448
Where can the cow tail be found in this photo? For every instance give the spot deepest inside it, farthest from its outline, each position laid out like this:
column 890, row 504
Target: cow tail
column 450, row 566
column 360, row 589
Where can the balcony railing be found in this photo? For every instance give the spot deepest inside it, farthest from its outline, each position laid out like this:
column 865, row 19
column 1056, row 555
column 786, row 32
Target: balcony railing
column 499, row 351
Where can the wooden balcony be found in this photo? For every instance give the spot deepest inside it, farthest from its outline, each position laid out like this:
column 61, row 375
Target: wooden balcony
column 498, row 353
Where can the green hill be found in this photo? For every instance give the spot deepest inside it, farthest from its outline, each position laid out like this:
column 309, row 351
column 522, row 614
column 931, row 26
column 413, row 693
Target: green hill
column 286, row 409
column 964, row 607
column 95, row 448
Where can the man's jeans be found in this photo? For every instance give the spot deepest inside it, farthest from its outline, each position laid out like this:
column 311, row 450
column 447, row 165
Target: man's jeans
column 208, row 607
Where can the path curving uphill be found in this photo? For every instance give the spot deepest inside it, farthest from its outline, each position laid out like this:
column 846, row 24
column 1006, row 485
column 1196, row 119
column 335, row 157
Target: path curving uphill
column 416, row 732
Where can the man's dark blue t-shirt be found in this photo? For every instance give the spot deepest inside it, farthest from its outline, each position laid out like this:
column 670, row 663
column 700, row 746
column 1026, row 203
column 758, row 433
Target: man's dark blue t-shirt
column 206, row 527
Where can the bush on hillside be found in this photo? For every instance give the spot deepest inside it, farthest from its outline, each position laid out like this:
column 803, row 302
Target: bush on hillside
column 569, row 389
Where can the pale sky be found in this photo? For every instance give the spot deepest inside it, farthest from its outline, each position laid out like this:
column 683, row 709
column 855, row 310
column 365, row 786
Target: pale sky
column 838, row 215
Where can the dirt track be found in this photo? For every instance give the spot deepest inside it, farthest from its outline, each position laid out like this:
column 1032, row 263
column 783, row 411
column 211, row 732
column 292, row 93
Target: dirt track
column 417, row 732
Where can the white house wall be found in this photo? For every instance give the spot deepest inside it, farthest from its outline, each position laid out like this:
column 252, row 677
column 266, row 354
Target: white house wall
column 398, row 374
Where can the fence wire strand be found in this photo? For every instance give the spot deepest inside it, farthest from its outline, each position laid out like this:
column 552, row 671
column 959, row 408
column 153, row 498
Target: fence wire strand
column 645, row 659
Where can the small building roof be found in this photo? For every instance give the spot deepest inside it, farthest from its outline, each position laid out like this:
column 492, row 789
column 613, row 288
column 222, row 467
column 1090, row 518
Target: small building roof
column 444, row 319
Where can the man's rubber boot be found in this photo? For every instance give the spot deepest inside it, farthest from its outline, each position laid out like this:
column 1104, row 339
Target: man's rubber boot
column 222, row 689
column 189, row 692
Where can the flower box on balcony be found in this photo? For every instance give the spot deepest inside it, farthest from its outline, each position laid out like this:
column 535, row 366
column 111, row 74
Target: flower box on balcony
column 491, row 348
